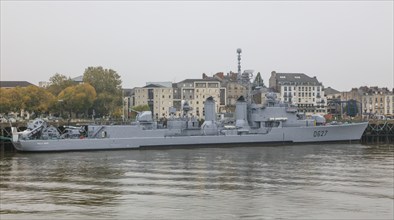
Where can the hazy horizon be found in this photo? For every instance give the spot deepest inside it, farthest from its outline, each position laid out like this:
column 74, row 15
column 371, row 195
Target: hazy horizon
column 344, row 44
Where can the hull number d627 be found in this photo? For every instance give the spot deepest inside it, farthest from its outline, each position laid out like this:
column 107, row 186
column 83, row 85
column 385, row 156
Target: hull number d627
column 320, row 133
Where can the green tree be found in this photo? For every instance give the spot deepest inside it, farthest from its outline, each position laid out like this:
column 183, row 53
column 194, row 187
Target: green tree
column 77, row 99
column 103, row 80
column 108, row 87
column 59, row 82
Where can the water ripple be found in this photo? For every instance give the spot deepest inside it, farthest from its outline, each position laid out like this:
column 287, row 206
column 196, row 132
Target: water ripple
column 304, row 182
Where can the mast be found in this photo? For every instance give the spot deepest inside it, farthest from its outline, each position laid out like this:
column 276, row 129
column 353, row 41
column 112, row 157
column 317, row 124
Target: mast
column 244, row 78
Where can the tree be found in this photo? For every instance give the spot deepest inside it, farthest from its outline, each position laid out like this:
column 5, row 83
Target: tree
column 10, row 100
column 37, row 100
column 103, row 80
column 108, row 87
column 59, row 82
column 78, row 99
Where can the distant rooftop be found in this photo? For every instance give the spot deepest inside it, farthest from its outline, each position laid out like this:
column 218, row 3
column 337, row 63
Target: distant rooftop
column 295, row 77
column 12, row 84
column 330, row 91
column 153, row 86
column 77, row 79
column 200, row 80
column 163, row 84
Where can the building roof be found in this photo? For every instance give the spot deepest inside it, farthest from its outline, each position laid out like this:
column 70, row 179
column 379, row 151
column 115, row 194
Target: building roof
column 296, row 77
column 163, row 84
column 330, row 91
column 200, row 80
column 153, row 86
column 12, row 84
column 372, row 90
column 77, row 79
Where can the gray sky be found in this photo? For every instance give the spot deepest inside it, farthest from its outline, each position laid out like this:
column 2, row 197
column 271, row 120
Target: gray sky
column 344, row 44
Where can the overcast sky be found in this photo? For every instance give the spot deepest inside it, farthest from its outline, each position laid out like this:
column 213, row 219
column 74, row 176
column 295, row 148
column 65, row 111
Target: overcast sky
column 344, row 44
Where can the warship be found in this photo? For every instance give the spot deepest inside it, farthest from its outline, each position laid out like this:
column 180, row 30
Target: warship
column 273, row 122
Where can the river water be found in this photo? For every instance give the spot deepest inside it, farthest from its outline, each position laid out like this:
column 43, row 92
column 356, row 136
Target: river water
column 332, row 181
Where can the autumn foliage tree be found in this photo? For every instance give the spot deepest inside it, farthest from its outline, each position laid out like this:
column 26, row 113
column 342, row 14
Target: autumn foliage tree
column 37, row 100
column 10, row 100
column 77, row 99
column 32, row 99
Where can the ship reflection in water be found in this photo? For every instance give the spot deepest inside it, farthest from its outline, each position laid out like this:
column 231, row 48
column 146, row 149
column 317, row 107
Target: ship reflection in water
column 301, row 181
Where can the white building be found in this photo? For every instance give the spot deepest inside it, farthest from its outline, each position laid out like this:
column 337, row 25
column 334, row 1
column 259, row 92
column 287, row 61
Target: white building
column 305, row 92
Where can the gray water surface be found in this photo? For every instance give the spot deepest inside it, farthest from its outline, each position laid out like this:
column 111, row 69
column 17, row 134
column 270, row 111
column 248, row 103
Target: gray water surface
column 332, row 181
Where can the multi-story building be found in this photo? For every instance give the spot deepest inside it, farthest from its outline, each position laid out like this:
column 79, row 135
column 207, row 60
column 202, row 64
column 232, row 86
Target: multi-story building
column 233, row 89
column 376, row 101
column 196, row 91
column 307, row 93
column 128, row 102
column 158, row 97
column 389, row 104
column 334, row 103
column 161, row 96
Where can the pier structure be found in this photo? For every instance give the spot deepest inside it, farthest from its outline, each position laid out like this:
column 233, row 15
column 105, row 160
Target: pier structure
column 379, row 132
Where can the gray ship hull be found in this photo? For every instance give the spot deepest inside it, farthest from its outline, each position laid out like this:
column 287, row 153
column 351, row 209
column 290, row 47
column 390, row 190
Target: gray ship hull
column 158, row 139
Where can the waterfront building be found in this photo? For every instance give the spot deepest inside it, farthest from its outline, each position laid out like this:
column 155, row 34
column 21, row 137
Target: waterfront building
column 128, row 102
column 376, row 101
column 334, row 103
column 158, row 96
column 196, row 91
column 161, row 96
column 373, row 100
column 233, row 89
column 389, row 105
column 305, row 92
